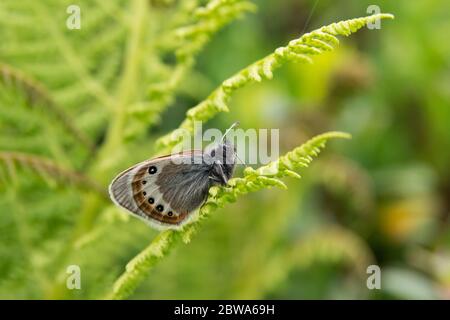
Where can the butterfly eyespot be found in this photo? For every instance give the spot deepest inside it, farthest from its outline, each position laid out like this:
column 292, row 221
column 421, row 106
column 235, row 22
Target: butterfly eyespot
column 213, row 153
column 144, row 182
column 170, row 213
column 144, row 193
column 152, row 170
column 160, row 208
column 151, row 200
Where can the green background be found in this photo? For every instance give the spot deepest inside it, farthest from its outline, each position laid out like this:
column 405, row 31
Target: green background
column 381, row 198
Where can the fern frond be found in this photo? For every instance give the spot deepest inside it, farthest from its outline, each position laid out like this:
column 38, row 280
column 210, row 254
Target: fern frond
column 332, row 245
column 73, row 59
column 253, row 180
column 78, row 68
column 208, row 20
column 37, row 95
column 298, row 50
column 186, row 41
column 47, row 168
column 267, row 176
column 340, row 175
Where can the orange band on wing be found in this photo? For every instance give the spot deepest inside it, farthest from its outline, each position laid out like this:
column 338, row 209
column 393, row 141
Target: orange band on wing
column 146, row 207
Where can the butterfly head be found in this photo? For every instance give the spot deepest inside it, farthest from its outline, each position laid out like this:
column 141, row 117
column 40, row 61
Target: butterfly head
column 223, row 161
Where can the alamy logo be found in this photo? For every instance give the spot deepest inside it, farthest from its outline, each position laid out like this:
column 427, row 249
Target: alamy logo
column 374, row 280
column 74, row 19
column 74, row 279
column 374, row 9
column 253, row 146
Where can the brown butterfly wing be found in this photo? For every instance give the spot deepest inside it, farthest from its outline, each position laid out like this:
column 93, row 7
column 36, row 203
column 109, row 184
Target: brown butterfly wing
column 139, row 190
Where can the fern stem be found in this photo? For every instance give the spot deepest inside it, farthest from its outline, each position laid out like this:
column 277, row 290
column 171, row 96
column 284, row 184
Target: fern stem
column 46, row 167
column 253, row 180
column 129, row 80
column 101, row 169
column 130, row 76
column 115, row 134
column 38, row 95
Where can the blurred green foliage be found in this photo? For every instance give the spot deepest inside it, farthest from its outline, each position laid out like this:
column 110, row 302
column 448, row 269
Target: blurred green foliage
column 382, row 198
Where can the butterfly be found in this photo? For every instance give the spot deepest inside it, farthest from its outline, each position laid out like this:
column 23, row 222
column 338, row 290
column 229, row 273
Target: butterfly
column 165, row 191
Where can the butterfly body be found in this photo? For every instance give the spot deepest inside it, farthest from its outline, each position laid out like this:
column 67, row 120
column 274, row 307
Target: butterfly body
column 165, row 191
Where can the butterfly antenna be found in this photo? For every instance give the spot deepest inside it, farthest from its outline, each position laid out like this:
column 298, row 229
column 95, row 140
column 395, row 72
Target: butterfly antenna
column 234, row 125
